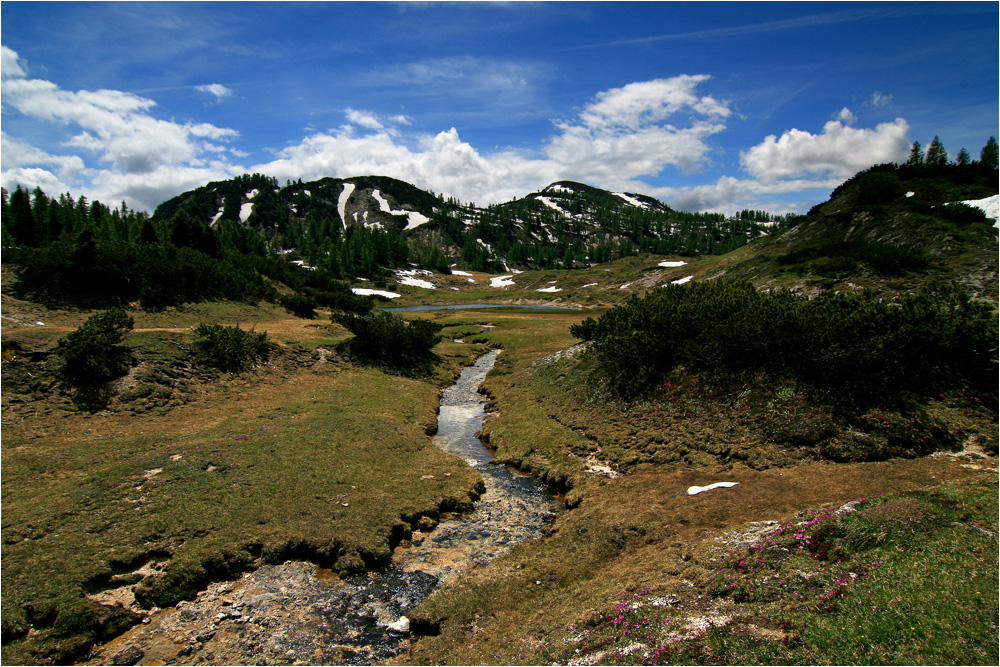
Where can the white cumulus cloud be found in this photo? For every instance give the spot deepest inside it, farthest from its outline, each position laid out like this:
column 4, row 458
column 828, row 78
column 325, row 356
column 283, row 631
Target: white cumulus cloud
column 839, row 151
column 117, row 127
column 621, row 135
column 10, row 64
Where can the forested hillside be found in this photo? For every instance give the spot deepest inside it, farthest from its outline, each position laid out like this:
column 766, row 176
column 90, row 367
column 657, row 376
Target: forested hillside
column 240, row 239
column 566, row 225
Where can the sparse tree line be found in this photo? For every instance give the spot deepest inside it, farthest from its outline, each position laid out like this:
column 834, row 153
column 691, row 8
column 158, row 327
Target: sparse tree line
column 937, row 156
column 520, row 233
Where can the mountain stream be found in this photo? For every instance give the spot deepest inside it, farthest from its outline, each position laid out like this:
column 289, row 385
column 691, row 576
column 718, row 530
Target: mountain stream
column 297, row 613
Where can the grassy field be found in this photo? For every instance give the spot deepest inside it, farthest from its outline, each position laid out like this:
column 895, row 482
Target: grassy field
column 192, row 475
column 307, row 457
column 638, row 549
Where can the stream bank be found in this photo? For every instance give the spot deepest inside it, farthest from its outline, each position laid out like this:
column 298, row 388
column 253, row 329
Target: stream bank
column 298, row 613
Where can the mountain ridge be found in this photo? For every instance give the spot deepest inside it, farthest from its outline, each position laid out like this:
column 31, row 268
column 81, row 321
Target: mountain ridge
column 566, row 222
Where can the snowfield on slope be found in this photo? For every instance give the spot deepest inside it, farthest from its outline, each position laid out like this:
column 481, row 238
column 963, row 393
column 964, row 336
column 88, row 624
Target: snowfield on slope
column 409, row 278
column 362, row 291
column 414, row 219
column 345, row 194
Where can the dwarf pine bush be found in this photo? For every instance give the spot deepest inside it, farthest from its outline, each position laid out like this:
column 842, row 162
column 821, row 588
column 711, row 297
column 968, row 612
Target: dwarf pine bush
column 230, row 349
column 93, row 356
column 855, row 348
column 384, row 338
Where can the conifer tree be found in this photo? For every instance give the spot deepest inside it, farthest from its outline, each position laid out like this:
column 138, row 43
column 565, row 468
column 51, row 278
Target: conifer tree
column 937, row 156
column 988, row 156
column 963, row 157
column 916, row 158
column 24, row 221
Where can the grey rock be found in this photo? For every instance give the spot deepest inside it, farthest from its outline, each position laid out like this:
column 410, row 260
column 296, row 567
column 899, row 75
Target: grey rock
column 130, row 656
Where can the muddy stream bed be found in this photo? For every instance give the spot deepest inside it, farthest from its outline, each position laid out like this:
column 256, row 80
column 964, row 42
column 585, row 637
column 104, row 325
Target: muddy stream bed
column 298, row 613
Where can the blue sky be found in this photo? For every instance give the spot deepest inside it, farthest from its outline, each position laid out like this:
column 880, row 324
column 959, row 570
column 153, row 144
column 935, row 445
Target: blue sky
column 707, row 106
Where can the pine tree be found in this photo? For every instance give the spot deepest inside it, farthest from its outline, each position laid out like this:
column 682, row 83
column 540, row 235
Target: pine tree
column 916, row 158
column 937, row 156
column 24, row 221
column 988, row 156
column 963, row 157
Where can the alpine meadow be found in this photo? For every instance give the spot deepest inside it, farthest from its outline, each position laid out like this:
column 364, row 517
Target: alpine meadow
column 684, row 351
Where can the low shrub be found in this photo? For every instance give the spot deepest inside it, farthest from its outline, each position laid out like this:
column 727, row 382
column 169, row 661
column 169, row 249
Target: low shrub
column 384, row 338
column 852, row 349
column 962, row 214
column 230, row 349
column 300, row 305
column 93, row 356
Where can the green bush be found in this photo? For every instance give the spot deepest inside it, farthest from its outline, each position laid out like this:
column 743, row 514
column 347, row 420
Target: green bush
column 93, row 356
column 230, row 349
column 344, row 299
column 839, row 257
column 877, row 188
column 386, row 339
column 848, row 349
column 300, row 305
column 962, row 214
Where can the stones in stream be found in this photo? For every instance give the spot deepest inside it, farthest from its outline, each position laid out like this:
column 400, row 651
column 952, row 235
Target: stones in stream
column 295, row 613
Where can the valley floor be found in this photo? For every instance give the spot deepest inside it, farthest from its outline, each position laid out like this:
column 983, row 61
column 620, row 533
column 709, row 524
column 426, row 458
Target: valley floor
column 313, row 459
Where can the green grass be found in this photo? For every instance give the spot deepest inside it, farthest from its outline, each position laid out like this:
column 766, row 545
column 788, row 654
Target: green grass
column 269, row 481
column 329, row 467
column 911, row 587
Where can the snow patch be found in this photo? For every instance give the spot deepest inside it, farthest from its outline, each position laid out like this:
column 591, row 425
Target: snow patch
column 246, row 210
column 345, row 194
column 501, row 281
column 460, row 273
column 408, row 278
column 551, row 204
column 414, row 219
column 625, row 286
column 695, row 490
column 362, row 291
column 550, row 289
column 590, row 285
column 307, row 193
column 215, row 218
column 910, row 193
column 670, row 265
column 253, row 193
column 417, row 282
column 682, row 280
column 555, row 187
column 632, row 200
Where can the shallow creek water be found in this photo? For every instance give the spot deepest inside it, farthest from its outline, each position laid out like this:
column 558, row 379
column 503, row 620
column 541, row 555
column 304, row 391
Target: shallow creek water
column 296, row 613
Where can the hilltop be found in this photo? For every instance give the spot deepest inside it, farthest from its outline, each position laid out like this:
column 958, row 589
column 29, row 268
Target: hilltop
column 890, row 228
column 564, row 225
